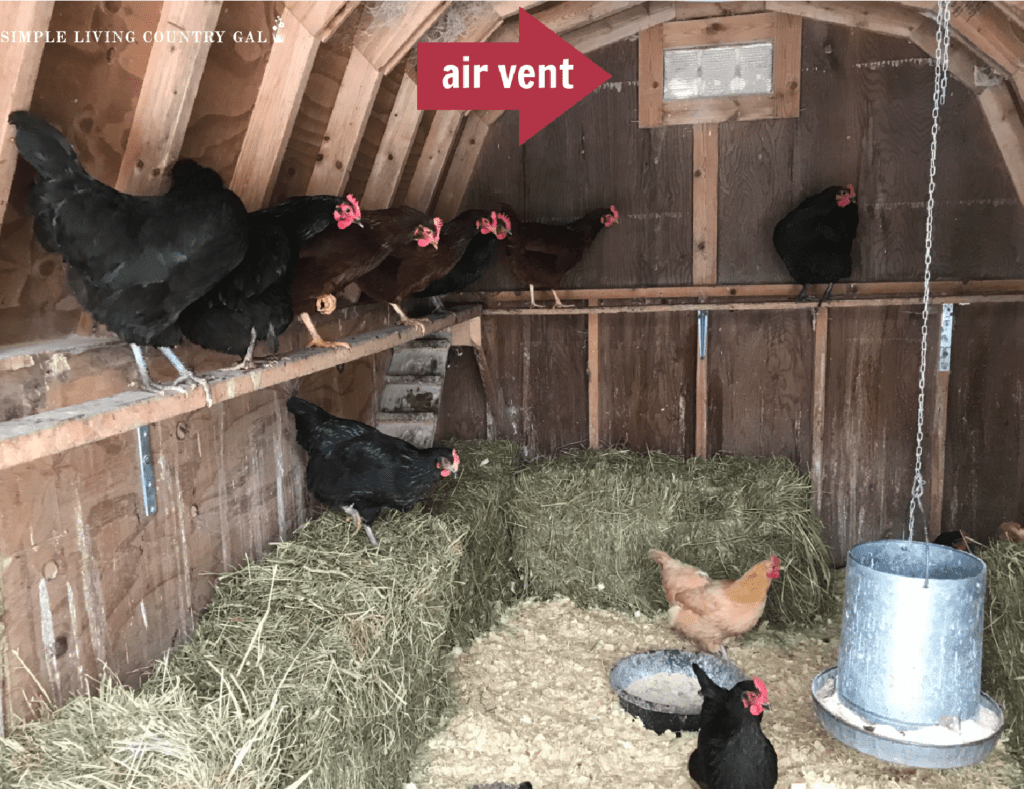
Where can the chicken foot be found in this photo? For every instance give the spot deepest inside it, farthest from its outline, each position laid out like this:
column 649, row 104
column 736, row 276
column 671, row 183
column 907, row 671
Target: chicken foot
column 316, row 340
column 184, row 374
column 248, row 363
column 533, row 300
column 360, row 523
column 421, row 325
column 828, row 292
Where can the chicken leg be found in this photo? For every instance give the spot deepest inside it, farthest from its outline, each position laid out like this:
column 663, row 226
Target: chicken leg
column 421, row 325
column 360, row 523
column 184, row 374
column 316, row 340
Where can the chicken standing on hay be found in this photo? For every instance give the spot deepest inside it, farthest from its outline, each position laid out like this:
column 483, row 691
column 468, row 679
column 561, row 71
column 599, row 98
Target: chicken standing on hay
column 360, row 470
column 339, row 256
column 732, row 751
column 541, row 255
column 135, row 263
column 709, row 612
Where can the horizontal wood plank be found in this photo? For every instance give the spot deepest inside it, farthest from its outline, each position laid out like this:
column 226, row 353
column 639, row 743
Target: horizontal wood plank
column 34, row 437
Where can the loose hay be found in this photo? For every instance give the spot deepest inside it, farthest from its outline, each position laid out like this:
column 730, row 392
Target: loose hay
column 1003, row 653
column 586, row 520
column 535, row 704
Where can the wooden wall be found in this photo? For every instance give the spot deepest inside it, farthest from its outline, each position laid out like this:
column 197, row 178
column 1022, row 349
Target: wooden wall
column 865, row 119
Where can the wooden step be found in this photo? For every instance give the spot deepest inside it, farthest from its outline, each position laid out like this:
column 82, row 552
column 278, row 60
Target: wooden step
column 417, row 429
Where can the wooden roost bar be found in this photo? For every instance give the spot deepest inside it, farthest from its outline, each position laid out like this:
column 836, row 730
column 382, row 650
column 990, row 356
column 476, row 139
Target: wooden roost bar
column 680, row 333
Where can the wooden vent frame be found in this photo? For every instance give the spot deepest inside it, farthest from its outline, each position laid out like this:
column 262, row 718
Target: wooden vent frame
column 782, row 30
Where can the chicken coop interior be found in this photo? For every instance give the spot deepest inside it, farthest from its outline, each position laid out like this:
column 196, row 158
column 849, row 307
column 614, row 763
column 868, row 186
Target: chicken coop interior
column 669, row 389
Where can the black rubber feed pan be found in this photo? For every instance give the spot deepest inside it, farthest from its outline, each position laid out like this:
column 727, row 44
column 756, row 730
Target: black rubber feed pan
column 661, row 689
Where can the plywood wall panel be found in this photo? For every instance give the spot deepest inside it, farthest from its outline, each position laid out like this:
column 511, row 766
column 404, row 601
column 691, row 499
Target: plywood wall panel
column 647, row 363
column 871, row 424
column 984, row 480
column 760, row 375
column 91, row 580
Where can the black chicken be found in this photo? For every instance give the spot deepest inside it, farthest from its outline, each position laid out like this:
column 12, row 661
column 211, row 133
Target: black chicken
column 732, row 751
column 541, row 255
column 409, row 269
column 254, row 302
column 815, row 239
column 135, row 263
column 360, row 470
column 474, row 262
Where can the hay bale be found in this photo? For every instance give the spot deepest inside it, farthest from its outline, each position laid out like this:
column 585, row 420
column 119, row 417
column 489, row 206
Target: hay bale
column 585, row 521
column 324, row 665
column 1003, row 653
column 488, row 579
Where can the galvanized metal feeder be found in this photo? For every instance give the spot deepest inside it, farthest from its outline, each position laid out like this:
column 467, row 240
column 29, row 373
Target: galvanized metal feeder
column 907, row 688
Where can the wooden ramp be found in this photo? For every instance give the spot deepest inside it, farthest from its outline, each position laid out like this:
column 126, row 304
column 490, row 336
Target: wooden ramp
column 411, row 398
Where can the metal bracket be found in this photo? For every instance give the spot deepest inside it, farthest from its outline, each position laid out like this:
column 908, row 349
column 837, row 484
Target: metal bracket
column 946, row 338
column 146, row 465
column 702, row 333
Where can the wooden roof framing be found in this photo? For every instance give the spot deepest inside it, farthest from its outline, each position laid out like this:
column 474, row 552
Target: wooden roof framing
column 406, row 160
column 19, row 65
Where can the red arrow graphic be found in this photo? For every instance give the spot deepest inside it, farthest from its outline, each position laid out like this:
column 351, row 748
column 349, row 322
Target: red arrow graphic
column 541, row 76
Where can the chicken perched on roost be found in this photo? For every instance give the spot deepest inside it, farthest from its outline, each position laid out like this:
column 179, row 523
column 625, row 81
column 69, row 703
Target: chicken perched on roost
column 135, row 263
column 254, row 302
column 732, row 751
column 339, row 256
column 477, row 257
column 541, row 255
column 410, row 269
column 815, row 239
column 709, row 612
column 359, row 470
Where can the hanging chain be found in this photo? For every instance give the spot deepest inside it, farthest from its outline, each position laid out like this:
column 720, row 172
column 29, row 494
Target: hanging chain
column 938, row 97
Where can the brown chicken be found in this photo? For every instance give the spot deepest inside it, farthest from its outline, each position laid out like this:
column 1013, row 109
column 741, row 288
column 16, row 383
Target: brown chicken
column 341, row 255
column 1011, row 531
column 541, row 255
column 709, row 612
column 409, row 269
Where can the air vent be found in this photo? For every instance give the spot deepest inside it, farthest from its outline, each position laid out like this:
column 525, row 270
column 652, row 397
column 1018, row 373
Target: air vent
column 708, row 72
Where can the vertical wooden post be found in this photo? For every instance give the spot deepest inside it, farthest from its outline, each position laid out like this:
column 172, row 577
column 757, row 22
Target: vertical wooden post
column 818, row 407
column 937, row 470
column 593, row 375
column 705, row 204
column 701, row 408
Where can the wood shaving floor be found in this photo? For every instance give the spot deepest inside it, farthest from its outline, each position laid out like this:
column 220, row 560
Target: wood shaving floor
column 535, row 705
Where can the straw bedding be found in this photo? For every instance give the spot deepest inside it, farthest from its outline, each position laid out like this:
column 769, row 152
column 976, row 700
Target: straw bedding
column 328, row 663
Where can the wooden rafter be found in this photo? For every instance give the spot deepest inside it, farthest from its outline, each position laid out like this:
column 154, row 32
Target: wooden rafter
column 320, row 18
column 887, row 18
column 394, row 147
column 277, row 104
column 385, row 45
column 962, row 61
column 505, row 8
column 346, row 125
column 621, row 25
column 563, row 17
column 19, row 66
column 436, row 149
column 987, row 30
column 165, row 101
